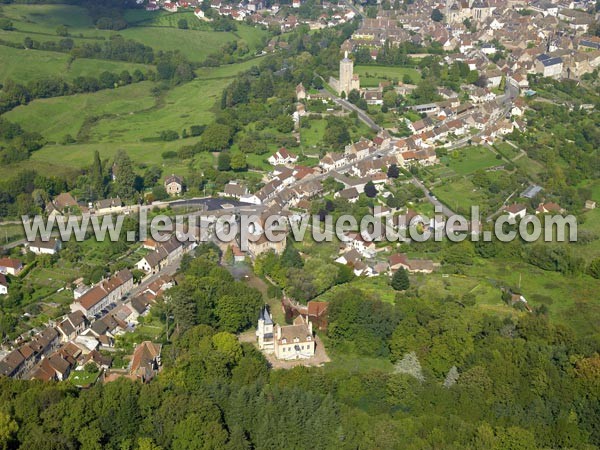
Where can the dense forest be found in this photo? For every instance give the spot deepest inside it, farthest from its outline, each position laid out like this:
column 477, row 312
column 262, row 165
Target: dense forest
column 462, row 380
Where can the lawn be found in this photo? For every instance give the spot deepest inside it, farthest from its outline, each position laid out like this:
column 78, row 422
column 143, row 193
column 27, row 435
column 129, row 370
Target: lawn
column 470, row 159
column 82, row 378
column 377, row 286
column 371, row 76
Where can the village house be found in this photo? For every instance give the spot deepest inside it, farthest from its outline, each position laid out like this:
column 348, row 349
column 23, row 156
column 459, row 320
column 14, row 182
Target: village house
column 332, row 161
column 72, row 325
column 174, row 185
column 549, row 208
column 400, row 260
column 10, row 266
column 282, row 157
column 549, row 66
column 515, row 210
column 20, row 361
column 62, row 204
column 317, row 314
column 235, row 190
column 104, row 293
column 260, row 245
column 164, row 254
column 349, row 194
column 300, row 92
column 50, row 247
column 146, row 361
column 108, row 206
column 364, row 247
column 98, row 359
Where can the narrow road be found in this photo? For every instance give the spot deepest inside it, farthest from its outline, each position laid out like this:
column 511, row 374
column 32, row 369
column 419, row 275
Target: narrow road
column 432, row 199
column 362, row 115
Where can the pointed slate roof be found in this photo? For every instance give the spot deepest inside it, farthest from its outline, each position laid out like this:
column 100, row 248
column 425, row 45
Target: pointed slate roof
column 264, row 315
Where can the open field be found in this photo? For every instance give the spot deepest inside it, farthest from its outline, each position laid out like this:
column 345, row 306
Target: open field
column 311, row 137
column 181, row 107
column 27, row 65
column 157, row 30
column 470, row 159
column 507, row 150
column 371, row 76
column 10, row 232
column 570, row 300
column 128, row 118
column 53, row 118
column 459, row 194
column 45, row 18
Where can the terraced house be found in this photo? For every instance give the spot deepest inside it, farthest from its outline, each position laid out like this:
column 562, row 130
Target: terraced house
column 104, row 293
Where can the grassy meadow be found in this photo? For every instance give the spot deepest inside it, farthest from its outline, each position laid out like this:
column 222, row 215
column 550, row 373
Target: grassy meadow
column 371, row 76
column 129, row 117
column 155, row 29
column 471, row 159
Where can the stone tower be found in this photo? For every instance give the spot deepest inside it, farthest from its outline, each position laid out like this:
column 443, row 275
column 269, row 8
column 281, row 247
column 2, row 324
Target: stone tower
column 264, row 331
column 347, row 79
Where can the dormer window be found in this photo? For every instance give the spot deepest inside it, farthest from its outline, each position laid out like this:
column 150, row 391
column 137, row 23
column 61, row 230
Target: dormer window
column 284, row 341
column 296, row 339
column 309, row 338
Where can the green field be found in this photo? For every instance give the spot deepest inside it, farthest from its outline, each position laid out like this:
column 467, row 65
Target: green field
column 507, row 150
column 45, row 18
column 157, row 30
column 470, row 159
column 311, row 137
column 27, row 65
column 128, row 118
column 55, row 117
column 459, row 194
column 372, row 75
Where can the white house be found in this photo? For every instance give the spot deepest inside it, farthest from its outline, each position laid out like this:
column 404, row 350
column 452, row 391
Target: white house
column 549, row 66
column 51, row 247
column 516, row 210
column 282, row 157
column 10, row 266
column 332, row 161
